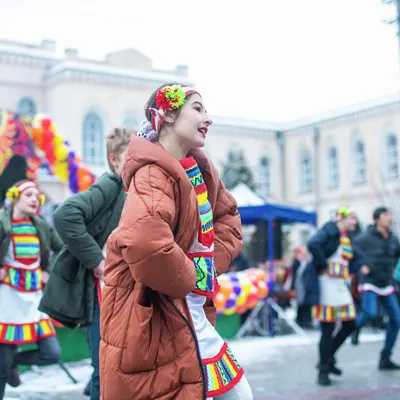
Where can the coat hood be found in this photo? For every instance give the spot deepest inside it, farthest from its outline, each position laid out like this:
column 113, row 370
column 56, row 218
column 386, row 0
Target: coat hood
column 141, row 152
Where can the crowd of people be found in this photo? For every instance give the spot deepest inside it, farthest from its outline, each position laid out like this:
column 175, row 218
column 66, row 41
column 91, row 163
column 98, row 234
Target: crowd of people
column 136, row 260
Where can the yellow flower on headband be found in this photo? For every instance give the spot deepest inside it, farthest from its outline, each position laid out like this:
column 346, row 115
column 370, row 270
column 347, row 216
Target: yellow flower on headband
column 42, row 199
column 12, row 194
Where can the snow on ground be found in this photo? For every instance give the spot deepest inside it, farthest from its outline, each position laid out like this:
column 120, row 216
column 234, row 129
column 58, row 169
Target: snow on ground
column 38, row 383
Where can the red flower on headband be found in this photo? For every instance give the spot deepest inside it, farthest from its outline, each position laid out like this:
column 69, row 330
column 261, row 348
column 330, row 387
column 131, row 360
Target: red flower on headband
column 170, row 98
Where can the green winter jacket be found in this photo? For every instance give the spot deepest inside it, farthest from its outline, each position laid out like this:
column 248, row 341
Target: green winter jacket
column 84, row 222
column 49, row 239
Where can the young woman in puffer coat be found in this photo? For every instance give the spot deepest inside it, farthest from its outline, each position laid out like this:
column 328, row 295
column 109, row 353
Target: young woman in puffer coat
column 179, row 230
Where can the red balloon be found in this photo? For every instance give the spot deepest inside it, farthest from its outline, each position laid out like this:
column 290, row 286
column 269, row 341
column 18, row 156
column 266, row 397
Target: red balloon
column 46, row 123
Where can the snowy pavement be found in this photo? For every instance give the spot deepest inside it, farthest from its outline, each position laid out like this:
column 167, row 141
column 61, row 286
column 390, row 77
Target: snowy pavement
column 266, row 361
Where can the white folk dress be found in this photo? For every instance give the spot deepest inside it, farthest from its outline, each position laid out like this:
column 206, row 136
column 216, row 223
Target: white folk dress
column 222, row 371
column 21, row 291
column 336, row 301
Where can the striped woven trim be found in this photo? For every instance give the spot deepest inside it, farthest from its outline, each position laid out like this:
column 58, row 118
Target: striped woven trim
column 22, row 279
column 334, row 313
column 222, row 372
column 338, row 270
column 26, row 333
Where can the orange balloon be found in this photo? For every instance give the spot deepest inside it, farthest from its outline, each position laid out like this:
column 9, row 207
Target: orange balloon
column 84, row 182
column 219, row 301
column 226, row 288
column 262, row 290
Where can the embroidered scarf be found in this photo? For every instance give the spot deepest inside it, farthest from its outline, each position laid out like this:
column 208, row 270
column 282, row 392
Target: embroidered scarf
column 202, row 251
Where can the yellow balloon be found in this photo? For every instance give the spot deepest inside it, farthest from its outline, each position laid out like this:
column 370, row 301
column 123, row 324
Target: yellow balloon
column 61, row 153
column 61, row 172
column 58, row 141
column 229, row 311
column 241, row 299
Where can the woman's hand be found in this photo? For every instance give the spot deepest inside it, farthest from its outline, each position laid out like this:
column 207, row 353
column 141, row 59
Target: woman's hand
column 3, row 274
column 45, row 277
column 365, row 270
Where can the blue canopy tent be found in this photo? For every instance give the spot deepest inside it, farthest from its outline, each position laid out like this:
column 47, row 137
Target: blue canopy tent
column 268, row 212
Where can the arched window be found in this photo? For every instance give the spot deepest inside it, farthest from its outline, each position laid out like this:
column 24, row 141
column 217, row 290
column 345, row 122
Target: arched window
column 333, row 167
column 26, row 107
column 93, row 139
column 265, row 177
column 306, row 172
column 131, row 121
column 392, row 157
column 360, row 162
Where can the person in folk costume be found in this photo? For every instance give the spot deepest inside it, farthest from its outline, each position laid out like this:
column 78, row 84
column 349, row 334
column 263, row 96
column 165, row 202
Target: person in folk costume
column 334, row 258
column 180, row 228
column 26, row 240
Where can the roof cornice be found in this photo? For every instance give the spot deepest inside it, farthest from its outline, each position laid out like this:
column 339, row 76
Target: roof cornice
column 70, row 70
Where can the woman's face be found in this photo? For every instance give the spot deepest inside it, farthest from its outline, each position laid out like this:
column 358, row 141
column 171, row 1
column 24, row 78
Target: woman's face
column 28, row 203
column 191, row 126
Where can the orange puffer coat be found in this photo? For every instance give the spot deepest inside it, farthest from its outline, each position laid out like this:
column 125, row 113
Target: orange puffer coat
column 149, row 348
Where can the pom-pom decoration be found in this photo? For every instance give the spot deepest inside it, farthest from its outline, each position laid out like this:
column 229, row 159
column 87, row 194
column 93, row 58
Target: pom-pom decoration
column 170, row 98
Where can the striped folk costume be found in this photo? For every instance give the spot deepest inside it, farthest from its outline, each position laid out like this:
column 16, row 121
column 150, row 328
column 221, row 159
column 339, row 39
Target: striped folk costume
column 336, row 302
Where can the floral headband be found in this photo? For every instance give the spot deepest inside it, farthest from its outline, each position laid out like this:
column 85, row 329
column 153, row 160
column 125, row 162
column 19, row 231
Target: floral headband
column 343, row 212
column 14, row 193
column 168, row 98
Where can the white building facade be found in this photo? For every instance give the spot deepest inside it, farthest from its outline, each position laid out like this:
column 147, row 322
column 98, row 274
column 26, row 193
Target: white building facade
column 349, row 157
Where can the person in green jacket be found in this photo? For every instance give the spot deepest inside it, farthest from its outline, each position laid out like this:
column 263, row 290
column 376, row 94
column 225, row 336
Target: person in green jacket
column 84, row 221
column 26, row 245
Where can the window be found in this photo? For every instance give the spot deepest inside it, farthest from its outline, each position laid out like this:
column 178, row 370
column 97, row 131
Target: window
column 26, row 107
column 392, row 157
column 360, row 175
column 131, row 121
column 93, row 140
column 333, row 167
column 306, row 172
column 265, row 177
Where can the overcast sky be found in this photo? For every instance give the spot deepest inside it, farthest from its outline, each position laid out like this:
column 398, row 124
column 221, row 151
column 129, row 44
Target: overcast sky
column 274, row 60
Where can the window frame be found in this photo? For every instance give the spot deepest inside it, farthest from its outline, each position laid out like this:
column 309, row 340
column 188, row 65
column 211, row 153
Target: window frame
column 93, row 148
column 306, row 177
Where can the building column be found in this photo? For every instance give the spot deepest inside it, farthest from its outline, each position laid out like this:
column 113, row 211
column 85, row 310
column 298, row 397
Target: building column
column 280, row 137
column 316, row 168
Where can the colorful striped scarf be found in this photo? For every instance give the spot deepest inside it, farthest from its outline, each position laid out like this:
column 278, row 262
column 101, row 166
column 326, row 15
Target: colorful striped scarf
column 203, row 260
column 347, row 248
column 25, row 240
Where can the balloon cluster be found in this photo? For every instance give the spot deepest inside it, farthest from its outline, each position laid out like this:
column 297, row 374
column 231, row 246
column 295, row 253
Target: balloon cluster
column 240, row 291
column 62, row 161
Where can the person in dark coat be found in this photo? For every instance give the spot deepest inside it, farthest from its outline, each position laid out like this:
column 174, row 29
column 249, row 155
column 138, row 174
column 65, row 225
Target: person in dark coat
column 84, row 222
column 304, row 311
column 334, row 258
column 382, row 251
